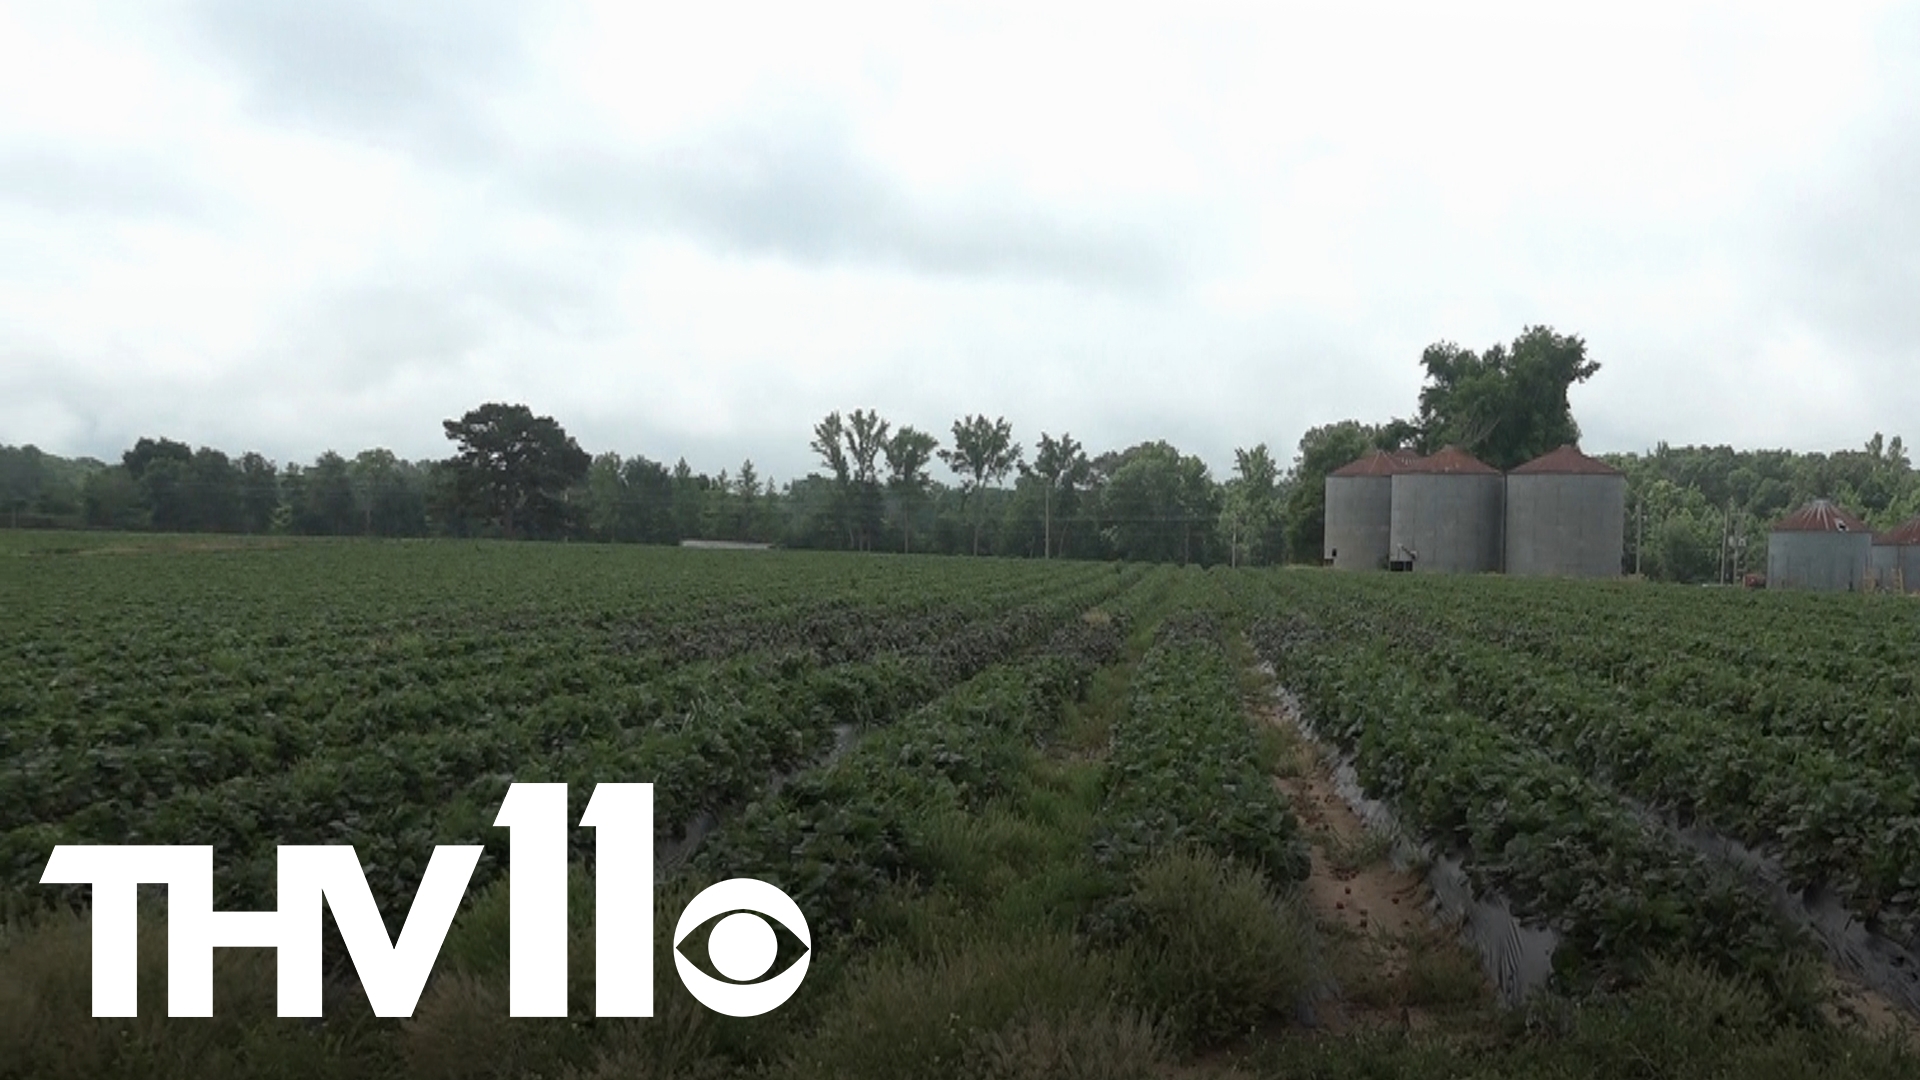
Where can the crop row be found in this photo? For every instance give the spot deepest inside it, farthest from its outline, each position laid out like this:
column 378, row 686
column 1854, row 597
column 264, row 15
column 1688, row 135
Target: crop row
column 1184, row 769
column 1559, row 844
column 395, row 782
column 86, row 670
column 1839, row 820
column 836, row 837
column 1840, row 669
column 1837, row 798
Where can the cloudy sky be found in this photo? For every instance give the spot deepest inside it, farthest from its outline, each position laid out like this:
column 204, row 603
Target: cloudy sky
column 693, row 229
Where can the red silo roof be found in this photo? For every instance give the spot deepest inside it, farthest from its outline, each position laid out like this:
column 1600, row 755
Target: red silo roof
column 1899, row 536
column 1819, row 516
column 1451, row 460
column 1376, row 463
column 1566, row 461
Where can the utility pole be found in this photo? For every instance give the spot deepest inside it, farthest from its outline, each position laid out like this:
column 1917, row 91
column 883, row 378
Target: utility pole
column 1727, row 540
column 1046, row 534
column 1739, row 547
column 1639, row 531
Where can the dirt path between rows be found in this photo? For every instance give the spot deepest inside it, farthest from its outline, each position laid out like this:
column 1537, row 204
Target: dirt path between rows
column 1392, row 963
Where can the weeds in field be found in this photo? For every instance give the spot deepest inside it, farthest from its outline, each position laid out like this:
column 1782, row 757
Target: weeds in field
column 1214, row 949
column 1347, row 855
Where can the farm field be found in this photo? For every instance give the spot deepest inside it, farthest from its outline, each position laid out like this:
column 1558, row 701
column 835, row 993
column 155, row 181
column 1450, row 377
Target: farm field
column 1044, row 819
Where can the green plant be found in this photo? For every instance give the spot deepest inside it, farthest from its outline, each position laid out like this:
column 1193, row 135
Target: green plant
column 1213, row 948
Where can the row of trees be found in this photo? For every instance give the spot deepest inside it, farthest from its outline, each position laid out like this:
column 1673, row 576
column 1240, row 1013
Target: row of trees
column 1701, row 513
column 1148, row 501
column 513, row 474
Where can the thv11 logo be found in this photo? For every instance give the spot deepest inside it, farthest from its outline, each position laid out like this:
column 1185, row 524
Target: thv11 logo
column 394, row 972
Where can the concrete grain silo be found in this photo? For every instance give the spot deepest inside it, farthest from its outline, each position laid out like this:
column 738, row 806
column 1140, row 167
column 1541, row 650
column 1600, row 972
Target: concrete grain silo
column 1566, row 516
column 1360, row 511
column 1895, row 558
column 1819, row 547
column 1447, row 515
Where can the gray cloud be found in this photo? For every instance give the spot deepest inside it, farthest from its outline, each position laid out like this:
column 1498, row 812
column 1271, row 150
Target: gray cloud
column 425, row 321
column 422, row 78
column 416, row 76
column 797, row 188
column 1283, row 269
column 361, row 333
column 1847, row 252
column 72, row 180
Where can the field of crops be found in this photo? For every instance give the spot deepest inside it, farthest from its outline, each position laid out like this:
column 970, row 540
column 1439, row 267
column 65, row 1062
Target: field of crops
column 1028, row 808
column 385, row 697
column 1576, row 743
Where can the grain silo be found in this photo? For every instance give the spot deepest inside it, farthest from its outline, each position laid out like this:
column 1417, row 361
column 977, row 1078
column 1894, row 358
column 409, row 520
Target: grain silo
column 1895, row 558
column 1360, row 511
column 1446, row 515
column 1819, row 547
column 1566, row 516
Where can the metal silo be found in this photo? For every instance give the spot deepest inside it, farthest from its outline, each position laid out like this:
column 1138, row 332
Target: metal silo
column 1895, row 558
column 1820, row 547
column 1566, row 516
column 1360, row 511
column 1446, row 515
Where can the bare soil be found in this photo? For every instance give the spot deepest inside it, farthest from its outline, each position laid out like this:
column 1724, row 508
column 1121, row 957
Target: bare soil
column 1873, row 1012
column 1392, row 963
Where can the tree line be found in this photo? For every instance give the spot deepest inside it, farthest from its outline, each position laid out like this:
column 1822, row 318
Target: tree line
column 520, row 476
column 1695, row 512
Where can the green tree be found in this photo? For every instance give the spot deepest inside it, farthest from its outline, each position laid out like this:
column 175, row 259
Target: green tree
column 46, row 486
column 650, row 493
column 1160, row 505
column 982, row 455
column 866, row 436
column 908, row 453
column 850, row 448
column 212, row 493
column 608, row 504
column 689, row 502
column 111, row 499
column 390, row 493
column 1250, row 510
column 1508, row 404
column 830, row 443
column 1682, row 499
column 22, row 476
column 321, row 498
column 259, row 492
column 513, row 467
column 147, row 451
column 754, row 521
column 160, row 470
column 1061, row 467
column 166, row 489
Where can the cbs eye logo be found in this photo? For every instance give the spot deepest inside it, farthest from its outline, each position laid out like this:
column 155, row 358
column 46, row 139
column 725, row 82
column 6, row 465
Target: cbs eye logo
column 742, row 947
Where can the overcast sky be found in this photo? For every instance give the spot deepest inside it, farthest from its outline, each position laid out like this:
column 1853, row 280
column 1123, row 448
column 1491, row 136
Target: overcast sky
column 695, row 230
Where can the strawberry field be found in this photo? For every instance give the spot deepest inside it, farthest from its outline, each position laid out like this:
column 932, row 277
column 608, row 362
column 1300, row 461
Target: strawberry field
column 1029, row 809
column 386, row 697
column 1567, row 740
